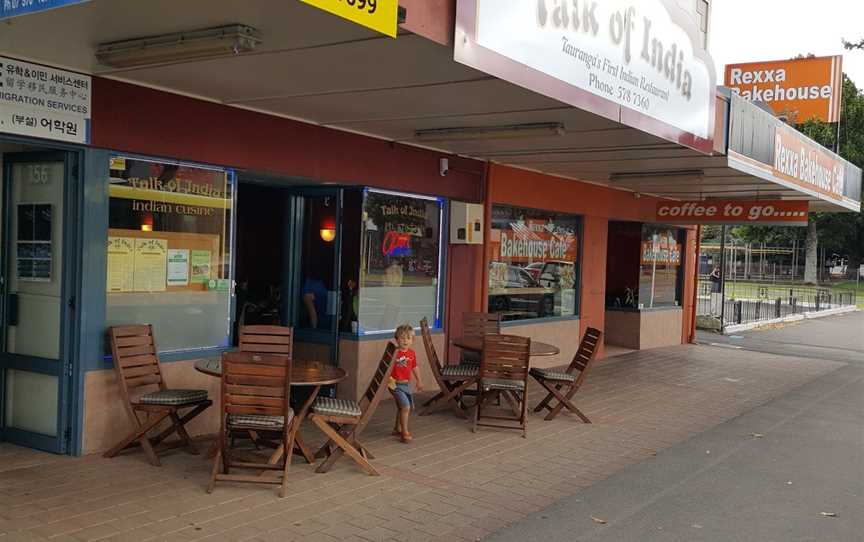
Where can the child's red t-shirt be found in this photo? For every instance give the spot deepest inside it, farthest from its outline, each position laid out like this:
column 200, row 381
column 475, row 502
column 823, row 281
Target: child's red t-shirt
column 404, row 362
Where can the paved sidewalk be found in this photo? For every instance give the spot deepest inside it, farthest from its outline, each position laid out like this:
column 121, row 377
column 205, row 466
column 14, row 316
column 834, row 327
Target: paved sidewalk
column 449, row 484
column 807, row 461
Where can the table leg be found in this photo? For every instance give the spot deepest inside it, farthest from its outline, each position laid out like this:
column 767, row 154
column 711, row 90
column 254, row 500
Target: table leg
column 300, row 446
column 298, row 440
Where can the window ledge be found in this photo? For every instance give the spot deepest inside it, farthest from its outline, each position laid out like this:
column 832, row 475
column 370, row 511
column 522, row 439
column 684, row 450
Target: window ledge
column 646, row 309
column 171, row 357
column 537, row 321
column 383, row 335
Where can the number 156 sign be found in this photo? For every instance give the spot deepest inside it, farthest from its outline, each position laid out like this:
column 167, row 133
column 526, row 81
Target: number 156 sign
column 379, row 15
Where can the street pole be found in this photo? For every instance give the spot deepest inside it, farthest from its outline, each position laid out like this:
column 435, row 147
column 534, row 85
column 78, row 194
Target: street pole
column 722, row 277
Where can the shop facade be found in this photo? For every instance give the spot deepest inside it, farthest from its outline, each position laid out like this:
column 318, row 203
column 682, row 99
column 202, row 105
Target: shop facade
column 198, row 203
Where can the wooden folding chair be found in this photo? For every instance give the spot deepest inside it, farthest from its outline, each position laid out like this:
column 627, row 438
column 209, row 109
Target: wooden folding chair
column 265, row 340
column 256, row 392
column 504, row 373
column 478, row 324
column 563, row 385
column 136, row 364
column 343, row 421
column 453, row 380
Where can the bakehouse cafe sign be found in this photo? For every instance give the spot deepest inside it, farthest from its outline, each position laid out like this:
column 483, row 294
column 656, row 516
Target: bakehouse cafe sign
column 638, row 55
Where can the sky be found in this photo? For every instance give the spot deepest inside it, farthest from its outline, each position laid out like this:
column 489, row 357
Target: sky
column 754, row 30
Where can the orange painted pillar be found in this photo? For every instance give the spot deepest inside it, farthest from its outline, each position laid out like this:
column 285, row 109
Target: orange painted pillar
column 595, row 235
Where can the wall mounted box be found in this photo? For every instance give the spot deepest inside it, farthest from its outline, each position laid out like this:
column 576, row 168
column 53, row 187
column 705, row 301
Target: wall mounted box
column 466, row 223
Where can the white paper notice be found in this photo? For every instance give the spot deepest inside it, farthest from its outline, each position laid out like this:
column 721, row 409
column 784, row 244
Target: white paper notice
column 151, row 257
column 121, row 264
column 178, row 267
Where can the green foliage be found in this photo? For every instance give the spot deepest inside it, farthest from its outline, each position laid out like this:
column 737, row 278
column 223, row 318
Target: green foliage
column 842, row 233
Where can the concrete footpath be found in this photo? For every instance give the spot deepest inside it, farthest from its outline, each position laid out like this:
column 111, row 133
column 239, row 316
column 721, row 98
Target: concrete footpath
column 790, row 470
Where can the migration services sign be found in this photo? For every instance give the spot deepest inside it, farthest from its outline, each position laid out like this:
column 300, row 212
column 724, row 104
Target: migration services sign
column 14, row 8
column 38, row 101
column 637, row 63
column 799, row 89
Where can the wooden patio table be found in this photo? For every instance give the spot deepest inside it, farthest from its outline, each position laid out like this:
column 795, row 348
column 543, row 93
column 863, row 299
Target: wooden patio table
column 475, row 344
column 303, row 373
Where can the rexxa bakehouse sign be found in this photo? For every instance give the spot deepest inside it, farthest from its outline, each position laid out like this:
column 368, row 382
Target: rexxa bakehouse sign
column 640, row 56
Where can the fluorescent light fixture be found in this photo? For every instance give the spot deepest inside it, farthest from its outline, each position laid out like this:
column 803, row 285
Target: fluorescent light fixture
column 473, row 133
column 636, row 175
column 193, row 45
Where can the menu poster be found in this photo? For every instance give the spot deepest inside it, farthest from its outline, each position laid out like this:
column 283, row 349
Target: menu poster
column 151, row 260
column 201, row 263
column 121, row 264
column 178, row 267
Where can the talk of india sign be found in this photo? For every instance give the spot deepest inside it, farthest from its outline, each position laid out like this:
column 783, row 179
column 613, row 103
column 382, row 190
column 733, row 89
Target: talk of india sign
column 638, row 58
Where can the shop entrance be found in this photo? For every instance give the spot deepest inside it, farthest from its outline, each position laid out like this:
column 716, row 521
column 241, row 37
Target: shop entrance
column 36, row 292
column 288, row 264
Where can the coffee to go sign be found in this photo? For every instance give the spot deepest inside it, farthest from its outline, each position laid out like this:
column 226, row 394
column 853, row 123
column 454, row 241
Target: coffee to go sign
column 762, row 212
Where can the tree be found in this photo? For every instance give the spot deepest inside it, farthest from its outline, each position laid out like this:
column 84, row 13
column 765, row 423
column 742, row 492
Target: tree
column 843, row 233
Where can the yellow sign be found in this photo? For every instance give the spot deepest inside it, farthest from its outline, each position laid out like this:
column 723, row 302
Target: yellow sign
column 379, row 15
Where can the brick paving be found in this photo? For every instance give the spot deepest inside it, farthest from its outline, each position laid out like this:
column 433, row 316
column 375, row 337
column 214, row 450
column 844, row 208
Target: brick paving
column 448, row 484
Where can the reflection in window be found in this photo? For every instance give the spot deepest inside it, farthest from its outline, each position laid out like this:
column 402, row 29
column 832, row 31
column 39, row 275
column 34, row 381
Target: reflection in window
column 400, row 261
column 533, row 263
column 660, row 266
column 169, row 261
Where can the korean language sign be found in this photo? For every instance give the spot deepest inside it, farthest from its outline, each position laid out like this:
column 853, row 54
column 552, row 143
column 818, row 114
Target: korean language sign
column 43, row 102
column 14, row 8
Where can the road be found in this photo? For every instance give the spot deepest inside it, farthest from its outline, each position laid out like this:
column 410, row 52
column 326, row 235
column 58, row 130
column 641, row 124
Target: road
column 727, row 484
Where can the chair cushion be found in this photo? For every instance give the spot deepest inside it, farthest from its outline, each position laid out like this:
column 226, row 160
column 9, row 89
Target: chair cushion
column 258, row 421
column 173, row 397
column 551, row 374
column 503, row 384
column 336, row 407
column 470, row 357
column 460, row 371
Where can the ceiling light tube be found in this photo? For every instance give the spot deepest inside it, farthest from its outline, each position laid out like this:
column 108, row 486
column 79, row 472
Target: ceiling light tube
column 193, row 45
column 623, row 176
column 473, row 133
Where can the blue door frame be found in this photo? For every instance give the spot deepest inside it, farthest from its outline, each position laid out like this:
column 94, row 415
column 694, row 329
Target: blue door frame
column 66, row 366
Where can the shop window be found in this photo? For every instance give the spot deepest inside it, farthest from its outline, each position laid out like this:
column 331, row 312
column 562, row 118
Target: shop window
column 660, row 267
column 533, row 269
column 400, row 261
column 169, row 261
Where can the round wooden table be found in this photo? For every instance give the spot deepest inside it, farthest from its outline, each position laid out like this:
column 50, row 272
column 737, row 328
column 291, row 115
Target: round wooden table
column 475, row 344
column 303, row 373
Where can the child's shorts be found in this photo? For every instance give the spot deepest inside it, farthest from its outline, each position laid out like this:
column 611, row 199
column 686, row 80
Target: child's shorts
column 404, row 396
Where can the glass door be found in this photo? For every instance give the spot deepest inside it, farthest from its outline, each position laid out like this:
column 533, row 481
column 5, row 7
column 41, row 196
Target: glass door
column 35, row 363
column 314, row 307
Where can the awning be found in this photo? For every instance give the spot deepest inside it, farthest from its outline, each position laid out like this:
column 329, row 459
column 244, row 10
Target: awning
column 320, row 69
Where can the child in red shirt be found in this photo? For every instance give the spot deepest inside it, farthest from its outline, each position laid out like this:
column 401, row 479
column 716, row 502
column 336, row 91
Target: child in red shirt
column 404, row 365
